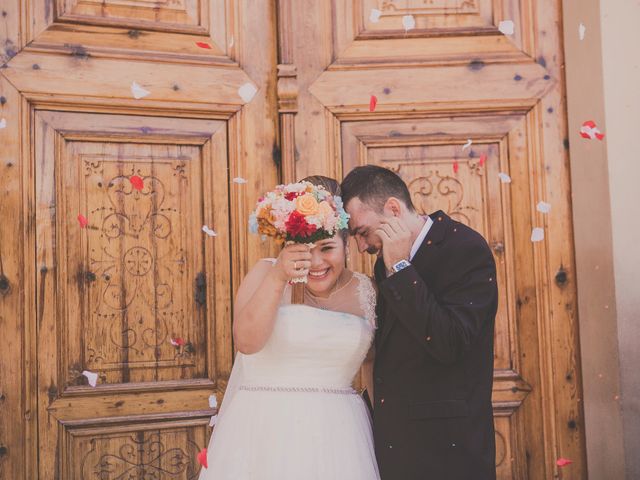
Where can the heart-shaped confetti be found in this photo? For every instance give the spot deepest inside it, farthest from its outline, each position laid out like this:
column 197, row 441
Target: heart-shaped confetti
column 213, row 421
column 213, row 401
column 240, row 180
column 204, row 45
column 506, row 27
column 456, row 167
column 3, row 123
column 208, row 231
column 563, row 462
column 247, row 92
column 91, row 376
column 483, row 159
column 202, row 458
column 589, row 130
column 177, row 342
column 581, row 31
column 82, row 220
column 408, row 22
column 136, row 182
column 373, row 101
column 504, row 178
column 374, row 16
column 537, row 234
column 467, row 145
column 543, row 207
column 138, row 92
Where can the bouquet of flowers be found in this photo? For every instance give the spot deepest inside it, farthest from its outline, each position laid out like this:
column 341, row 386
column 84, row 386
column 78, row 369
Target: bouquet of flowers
column 299, row 213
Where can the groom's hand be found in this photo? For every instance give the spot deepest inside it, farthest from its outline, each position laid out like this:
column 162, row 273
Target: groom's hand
column 396, row 241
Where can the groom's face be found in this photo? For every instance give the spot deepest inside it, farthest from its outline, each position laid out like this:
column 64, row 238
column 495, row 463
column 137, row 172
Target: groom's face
column 363, row 222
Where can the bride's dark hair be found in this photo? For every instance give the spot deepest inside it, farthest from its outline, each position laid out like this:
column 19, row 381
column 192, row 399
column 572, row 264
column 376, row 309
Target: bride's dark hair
column 333, row 187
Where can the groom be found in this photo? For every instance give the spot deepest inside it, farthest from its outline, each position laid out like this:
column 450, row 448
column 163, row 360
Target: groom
column 437, row 301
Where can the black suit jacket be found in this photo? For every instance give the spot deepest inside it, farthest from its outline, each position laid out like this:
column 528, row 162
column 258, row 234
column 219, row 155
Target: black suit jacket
column 433, row 369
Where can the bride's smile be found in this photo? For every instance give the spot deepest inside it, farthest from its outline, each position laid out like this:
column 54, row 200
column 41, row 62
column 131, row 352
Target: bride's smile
column 327, row 266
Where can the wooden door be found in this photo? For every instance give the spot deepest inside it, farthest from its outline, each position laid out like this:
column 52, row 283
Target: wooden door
column 124, row 125
column 458, row 104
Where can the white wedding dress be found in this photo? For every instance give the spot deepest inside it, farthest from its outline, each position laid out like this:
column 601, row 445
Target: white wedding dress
column 290, row 412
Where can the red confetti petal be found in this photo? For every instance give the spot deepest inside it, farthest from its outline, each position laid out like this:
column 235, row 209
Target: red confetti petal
column 456, row 167
column 82, row 220
column 372, row 103
column 137, row 182
column 589, row 130
column 177, row 342
column 203, row 45
column 563, row 462
column 483, row 158
column 202, row 458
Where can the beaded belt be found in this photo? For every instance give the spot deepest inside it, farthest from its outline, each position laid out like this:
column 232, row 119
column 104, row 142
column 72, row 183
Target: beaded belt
column 338, row 391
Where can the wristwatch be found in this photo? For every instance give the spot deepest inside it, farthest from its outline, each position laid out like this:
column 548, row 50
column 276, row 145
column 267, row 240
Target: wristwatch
column 401, row 265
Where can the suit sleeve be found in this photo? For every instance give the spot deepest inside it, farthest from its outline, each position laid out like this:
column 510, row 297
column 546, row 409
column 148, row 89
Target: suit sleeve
column 447, row 326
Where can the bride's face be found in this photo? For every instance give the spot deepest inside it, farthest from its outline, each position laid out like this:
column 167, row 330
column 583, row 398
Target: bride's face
column 327, row 264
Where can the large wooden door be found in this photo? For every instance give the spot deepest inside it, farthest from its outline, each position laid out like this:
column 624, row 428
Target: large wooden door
column 443, row 74
column 123, row 127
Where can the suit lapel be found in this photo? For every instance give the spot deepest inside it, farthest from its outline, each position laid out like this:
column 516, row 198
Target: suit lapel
column 422, row 257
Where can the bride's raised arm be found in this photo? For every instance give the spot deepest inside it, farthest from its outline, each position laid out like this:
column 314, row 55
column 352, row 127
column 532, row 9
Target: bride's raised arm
column 260, row 294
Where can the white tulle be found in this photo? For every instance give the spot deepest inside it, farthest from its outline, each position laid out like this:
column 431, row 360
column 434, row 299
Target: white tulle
column 287, row 412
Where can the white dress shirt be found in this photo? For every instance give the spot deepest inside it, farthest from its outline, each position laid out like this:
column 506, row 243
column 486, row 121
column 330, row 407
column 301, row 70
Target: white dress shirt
column 421, row 236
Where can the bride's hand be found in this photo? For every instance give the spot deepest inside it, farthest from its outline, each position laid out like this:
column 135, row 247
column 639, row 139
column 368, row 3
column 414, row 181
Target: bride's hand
column 294, row 261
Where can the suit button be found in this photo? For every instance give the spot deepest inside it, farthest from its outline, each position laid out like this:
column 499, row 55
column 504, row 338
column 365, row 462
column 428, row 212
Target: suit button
column 428, row 339
column 381, row 401
column 390, row 446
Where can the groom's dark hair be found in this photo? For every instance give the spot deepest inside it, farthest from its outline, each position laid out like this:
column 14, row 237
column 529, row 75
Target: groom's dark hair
column 374, row 185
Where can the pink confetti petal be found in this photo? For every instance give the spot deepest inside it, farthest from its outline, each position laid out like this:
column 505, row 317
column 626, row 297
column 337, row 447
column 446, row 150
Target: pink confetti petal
column 82, row 220
column 202, row 458
column 563, row 462
column 91, row 377
column 177, row 342
column 136, row 182
column 483, row 159
column 204, row 45
column 373, row 101
column 456, row 167
column 589, row 130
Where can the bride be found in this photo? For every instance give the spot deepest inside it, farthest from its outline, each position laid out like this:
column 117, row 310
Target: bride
column 289, row 411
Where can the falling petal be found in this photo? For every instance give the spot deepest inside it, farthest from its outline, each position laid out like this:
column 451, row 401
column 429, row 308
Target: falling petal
column 373, row 101
column 213, row 421
column 247, row 92
column 537, row 234
column 202, row 458
column 543, row 207
column 91, row 376
column 3, row 123
column 506, row 27
column 483, row 159
column 504, row 178
column 138, row 92
column 208, row 231
column 374, row 17
column 467, row 145
column 136, row 182
column 82, row 220
column 408, row 22
column 563, row 462
column 590, row 131
column 204, row 45
column 239, row 180
column 581, row 30
column 213, row 401
column 456, row 167
column 177, row 342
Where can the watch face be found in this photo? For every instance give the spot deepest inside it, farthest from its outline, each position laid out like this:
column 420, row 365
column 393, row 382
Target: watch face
column 400, row 265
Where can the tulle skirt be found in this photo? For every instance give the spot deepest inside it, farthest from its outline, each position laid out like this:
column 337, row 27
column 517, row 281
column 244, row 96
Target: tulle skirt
column 265, row 435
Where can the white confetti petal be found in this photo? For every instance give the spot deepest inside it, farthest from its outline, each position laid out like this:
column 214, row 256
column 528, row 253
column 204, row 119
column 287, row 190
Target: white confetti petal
column 239, row 180
column 504, row 178
column 91, row 376
column 537, row 234
column 506, row 27
column 213, row 421
column 467, row 145
column 3, row 123
column 544, row 207
column 247, row 92
column 208, row 231
column 408, row 22
column 138, row 92
column 374, row 17
column 581, row 30
column 213, row 401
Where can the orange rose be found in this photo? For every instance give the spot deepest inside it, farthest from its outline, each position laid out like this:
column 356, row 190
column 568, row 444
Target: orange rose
column 307, row 204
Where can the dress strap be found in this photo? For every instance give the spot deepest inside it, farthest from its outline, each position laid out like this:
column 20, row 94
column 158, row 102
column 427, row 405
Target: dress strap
column 367, row 298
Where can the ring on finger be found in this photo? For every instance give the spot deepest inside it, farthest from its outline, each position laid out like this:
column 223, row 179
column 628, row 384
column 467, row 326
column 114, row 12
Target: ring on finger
column 295, row 265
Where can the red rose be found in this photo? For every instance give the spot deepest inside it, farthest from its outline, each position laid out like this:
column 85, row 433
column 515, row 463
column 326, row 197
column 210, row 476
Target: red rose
column 291, row 195
column 297, row 225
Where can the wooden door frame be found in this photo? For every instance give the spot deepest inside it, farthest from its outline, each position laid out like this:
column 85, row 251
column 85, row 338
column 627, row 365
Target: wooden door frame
column 593, row 243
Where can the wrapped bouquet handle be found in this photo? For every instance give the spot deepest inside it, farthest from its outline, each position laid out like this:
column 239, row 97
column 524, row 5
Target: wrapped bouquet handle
column 298, row 213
